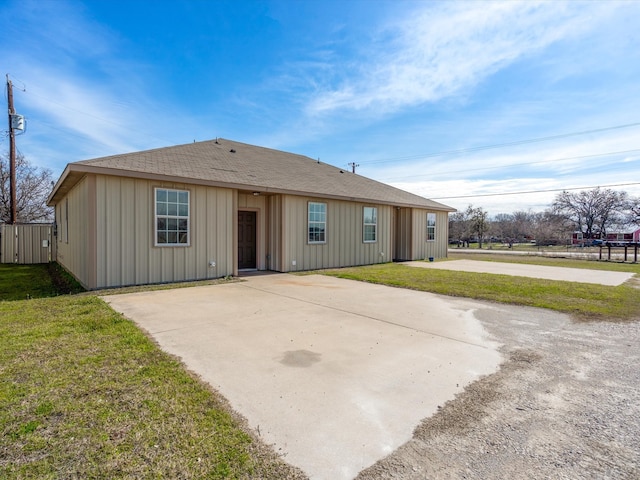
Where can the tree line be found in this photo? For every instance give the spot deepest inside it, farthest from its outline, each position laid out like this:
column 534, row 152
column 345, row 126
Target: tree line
column 593, row 213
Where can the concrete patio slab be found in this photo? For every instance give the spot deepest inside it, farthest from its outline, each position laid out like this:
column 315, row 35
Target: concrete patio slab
column 599, row 277
column 336, row 374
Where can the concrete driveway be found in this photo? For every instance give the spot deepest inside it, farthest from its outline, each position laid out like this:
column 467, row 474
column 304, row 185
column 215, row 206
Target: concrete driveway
column 336, row 374
column 598, row 277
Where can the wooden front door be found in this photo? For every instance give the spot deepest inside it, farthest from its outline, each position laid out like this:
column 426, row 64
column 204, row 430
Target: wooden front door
column 246, row 240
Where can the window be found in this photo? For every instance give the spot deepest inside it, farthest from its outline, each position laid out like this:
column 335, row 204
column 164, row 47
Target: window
column 431, row 227
column 317, row 222
column 370, row 225
column 172, row 217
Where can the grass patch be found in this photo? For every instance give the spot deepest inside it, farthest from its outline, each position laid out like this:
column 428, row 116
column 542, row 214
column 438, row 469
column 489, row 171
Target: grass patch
column 85, row 394
column 583, row 301
column 20, row 282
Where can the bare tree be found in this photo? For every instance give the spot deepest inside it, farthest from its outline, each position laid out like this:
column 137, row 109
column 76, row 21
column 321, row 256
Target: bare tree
column 32, row 189
column 591, row 211
column 550, row 229
column 633, row 210
column 459, row 227
column 479, row 222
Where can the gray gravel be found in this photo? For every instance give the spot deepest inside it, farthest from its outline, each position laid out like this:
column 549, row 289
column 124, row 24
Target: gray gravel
column 565, row 404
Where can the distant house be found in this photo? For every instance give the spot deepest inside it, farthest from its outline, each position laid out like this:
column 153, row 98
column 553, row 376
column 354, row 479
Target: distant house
column 618, row 238
column 211, row 209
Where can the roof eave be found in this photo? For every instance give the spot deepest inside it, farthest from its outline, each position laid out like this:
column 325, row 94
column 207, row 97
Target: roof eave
column 75, row 171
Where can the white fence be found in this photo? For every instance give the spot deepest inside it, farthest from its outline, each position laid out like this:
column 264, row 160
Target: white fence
column 28, row 243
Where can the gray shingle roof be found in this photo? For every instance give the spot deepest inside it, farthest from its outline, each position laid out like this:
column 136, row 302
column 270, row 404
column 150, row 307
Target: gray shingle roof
column 238, row 165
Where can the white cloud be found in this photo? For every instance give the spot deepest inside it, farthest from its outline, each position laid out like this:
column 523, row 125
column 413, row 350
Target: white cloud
column 449, row 47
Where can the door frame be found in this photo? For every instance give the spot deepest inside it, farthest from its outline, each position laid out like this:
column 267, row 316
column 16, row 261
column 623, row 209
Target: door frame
column 257, row 238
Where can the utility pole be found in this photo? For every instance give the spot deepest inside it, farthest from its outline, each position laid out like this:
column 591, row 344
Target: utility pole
column 12, row 154
column 353, row 166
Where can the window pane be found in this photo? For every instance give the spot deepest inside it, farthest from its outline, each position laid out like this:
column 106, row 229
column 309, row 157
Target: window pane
column 172, row 217
column 369, row 233
column 316, row 222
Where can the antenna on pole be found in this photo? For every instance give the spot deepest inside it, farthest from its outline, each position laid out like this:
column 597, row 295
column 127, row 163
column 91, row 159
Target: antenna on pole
column 353, row 166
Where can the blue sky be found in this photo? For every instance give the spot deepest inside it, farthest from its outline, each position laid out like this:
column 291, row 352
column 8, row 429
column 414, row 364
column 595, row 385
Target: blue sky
column 412, row 91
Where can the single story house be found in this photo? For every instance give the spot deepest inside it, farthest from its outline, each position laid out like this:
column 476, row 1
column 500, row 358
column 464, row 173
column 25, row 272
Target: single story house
column 215, row 208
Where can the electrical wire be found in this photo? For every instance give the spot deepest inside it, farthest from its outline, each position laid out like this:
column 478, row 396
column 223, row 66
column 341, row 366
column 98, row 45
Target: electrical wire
column 28, row 92
column 620, row 152
column 536, row 191
column 499, row 145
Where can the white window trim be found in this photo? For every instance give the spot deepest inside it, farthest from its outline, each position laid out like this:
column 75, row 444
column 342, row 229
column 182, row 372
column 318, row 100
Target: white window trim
column 432, row 227
column 322, row 242
column 375, row 225
column 179, row 217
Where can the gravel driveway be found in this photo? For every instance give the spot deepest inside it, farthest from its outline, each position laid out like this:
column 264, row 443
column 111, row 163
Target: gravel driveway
column 565, row 404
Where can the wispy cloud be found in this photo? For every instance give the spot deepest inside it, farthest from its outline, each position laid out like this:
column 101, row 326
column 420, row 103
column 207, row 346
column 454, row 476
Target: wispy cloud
column 83, row 96
column 447, row 48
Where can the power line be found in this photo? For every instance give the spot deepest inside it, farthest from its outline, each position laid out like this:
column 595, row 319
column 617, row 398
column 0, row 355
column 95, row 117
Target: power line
column 516, row 164
column 105, row 120
column 500, row 145
column 536, row 191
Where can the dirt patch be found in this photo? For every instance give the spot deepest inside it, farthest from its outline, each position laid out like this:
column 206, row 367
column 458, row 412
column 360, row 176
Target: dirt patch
column 564, row 404
column 63, row 283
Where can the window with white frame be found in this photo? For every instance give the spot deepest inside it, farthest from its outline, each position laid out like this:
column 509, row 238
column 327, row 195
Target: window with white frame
column 317, row 222
column 370, row 225
column 172, row 217
column 431, row 227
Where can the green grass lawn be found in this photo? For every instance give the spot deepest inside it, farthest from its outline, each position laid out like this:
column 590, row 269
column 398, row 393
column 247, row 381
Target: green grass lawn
column 85, row 394
column 584, row 301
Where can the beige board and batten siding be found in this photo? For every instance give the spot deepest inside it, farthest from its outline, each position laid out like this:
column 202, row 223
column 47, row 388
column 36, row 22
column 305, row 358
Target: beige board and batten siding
column 423, row 248
column 403, row 236
column 125, row 243
column 344, row 245
column 275, row 233
column 75, row 218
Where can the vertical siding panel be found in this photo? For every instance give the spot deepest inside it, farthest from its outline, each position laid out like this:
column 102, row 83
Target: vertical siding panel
column 422, row 248
column 72, row 249
column 344, row 246
column 143, row 228
column 419, row 234
column 275, row 232
column 126, row 274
